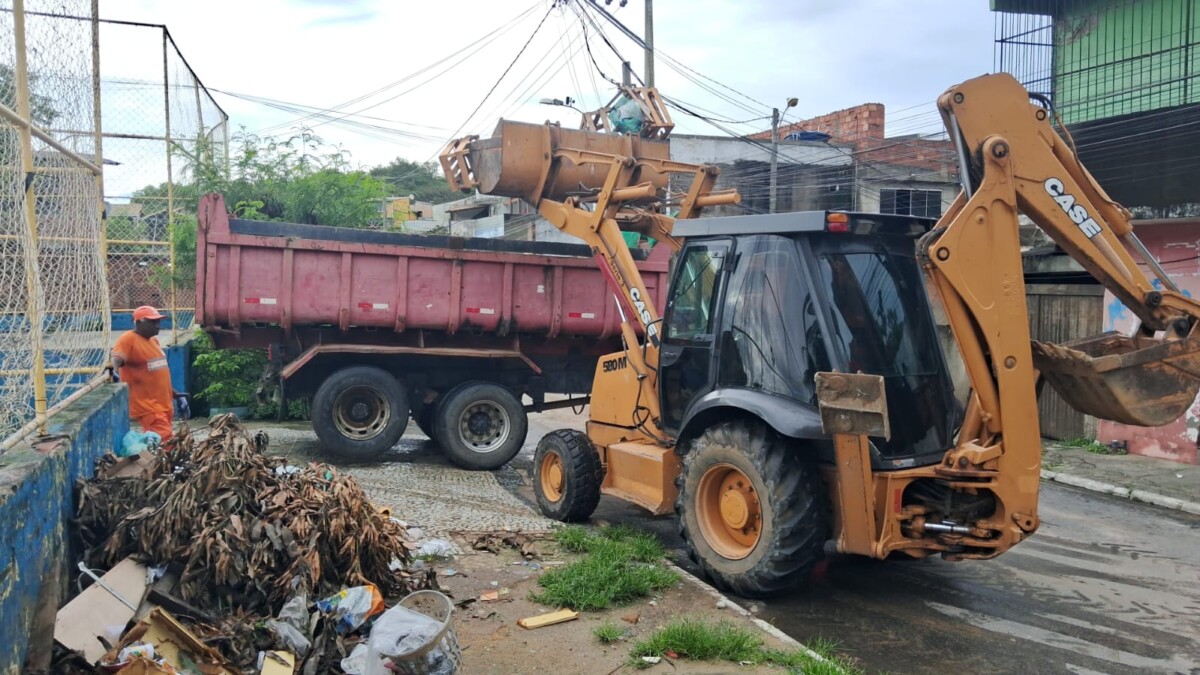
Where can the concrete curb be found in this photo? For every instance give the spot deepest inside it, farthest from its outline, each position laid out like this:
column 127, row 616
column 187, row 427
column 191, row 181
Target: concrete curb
column 765, row 627
column 1126, row 493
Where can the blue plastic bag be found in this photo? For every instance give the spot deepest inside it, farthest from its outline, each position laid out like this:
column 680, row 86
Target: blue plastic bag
column 137, row 441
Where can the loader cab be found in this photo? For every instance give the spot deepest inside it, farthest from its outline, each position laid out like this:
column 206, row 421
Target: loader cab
column 759, row 304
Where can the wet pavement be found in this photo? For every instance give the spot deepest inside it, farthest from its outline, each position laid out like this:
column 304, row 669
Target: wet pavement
column 1107, row 585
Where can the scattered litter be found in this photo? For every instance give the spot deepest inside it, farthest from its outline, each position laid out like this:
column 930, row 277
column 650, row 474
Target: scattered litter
column 102, row 610
column 721, row 604
column 490, row 596
column 548, row 619
column 396, row 565
column 416, row 533
column 408, row 640
column 276, row 663
column 288, row 470
column 1179, row 475
column 670, row 655
column 436, row 548
column 449, row 572
column 352, row 607
column 173, row 644
column 493, row 543
column 356, row 662
column 653, row 603
column 495, row 583
column 138, row 650
column 652, row 659
column 632, row 618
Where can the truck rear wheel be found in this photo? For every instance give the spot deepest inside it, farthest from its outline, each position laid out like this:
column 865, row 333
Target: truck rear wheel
column 752, row 511
column 360, row 412
column 425, row 420
column 567, row 476
column 480, row 425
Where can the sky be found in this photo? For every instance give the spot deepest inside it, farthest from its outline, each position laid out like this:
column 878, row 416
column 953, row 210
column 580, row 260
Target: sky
column 404, row 76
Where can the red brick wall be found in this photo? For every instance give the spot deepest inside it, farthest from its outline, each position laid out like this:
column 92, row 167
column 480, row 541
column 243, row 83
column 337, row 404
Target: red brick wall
column 852, row 125
column 863, row 127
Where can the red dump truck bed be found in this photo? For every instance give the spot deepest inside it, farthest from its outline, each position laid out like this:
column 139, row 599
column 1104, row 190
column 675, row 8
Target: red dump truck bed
column 254, row 273
column 379, row 327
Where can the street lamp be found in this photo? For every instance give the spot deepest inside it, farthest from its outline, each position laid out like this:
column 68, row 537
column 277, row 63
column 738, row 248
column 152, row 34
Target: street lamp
column 561, row 103
column 791, row 103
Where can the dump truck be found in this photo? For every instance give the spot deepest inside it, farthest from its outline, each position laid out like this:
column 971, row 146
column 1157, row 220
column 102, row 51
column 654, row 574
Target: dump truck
column 795, row 388
column 378, row 327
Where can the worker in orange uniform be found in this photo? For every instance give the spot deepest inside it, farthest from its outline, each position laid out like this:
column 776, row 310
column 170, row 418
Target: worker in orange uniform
column 142, row 365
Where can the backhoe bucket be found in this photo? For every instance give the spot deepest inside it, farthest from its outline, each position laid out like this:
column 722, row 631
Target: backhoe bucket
column 1110, row 377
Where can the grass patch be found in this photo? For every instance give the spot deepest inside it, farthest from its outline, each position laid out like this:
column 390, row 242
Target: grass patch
column 620, row 565
column 608, row 632
column 1094, row 447
column 727, row 641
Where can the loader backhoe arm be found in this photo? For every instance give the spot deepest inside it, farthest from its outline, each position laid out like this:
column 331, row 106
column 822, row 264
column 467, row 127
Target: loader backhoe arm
column 1013, row 161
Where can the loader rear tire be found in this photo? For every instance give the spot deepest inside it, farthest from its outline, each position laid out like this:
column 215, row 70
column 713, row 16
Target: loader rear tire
column 360, row 412
column 566, row 476
column 752, row 511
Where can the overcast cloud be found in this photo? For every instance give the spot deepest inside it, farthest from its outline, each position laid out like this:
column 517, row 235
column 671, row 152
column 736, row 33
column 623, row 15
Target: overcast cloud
column 830, row 54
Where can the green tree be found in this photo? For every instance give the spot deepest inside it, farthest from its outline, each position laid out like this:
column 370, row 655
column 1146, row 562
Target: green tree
column 423, row 181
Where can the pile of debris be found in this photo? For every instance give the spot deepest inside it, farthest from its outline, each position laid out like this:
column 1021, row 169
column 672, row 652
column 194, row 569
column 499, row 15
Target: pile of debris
column 237, row 535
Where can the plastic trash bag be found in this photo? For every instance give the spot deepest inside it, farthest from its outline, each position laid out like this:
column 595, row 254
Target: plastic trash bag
column 289, row 637
column 352, row 607
column 401, row 631
column 436, row 548
column 291, row 626
column 626, row 117
column 356, row 662
column 138, row 441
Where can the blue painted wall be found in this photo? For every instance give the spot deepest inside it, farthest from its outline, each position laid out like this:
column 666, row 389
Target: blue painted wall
column 36, row 503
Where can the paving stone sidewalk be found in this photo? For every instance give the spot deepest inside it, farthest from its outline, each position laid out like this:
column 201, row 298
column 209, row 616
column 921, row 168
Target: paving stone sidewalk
column 1130, row 474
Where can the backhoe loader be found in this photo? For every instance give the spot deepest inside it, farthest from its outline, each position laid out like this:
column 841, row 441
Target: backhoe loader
column 864, row 378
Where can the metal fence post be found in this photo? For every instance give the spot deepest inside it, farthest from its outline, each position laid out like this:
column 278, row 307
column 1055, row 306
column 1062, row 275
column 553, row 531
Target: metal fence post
column 32, row 270
column 105, row 300
column 170, row 185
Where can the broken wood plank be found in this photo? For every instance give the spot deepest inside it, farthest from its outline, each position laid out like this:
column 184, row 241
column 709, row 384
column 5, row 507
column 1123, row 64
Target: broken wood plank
column 96, row 618
column 549, row 619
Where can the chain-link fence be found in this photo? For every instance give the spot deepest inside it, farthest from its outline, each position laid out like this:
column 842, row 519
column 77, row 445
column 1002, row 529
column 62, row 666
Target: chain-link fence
column 163, row 133
column 54, row 304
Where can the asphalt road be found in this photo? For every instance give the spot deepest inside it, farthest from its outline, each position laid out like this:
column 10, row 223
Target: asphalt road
column 1106, row 585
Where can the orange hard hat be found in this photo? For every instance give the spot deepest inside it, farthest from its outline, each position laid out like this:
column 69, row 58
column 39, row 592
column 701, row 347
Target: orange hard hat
column 146, row 312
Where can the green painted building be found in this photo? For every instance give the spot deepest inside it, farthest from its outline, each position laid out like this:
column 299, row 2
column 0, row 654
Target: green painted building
column 1125, row 77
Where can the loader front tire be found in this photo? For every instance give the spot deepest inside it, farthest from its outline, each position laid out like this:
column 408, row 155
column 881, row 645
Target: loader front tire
column 566, row 476
column 752, row 510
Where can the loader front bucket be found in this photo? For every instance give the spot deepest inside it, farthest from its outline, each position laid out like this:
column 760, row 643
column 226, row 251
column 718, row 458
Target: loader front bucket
column 1110, row 377
column 518, row 160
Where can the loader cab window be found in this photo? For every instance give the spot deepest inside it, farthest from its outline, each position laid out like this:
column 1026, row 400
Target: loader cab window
column 685, row 361
column 883, row 325
column 771, row 340
column 692, row 304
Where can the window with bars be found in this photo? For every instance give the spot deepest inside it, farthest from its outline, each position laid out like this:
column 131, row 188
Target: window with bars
column 925, row 203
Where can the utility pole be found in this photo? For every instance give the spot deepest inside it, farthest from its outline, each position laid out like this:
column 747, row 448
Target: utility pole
column 649, row 43
column 626, row 74
column 774, row 154
column 791, row 103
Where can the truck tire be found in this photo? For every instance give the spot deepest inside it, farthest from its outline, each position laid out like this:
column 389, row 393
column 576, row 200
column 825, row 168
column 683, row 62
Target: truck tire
column 425, row 418
column 480, row 425
column 360, row 412
column 752, row 511
column 567, row 476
